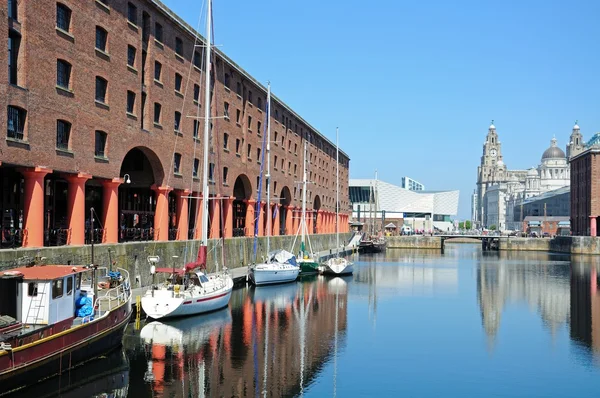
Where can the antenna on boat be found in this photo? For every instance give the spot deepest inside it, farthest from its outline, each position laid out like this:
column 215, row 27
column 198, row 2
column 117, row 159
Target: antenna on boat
column 94, row 267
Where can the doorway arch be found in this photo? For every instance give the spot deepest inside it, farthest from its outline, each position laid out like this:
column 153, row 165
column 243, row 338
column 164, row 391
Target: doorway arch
column 316, row 208
column 285, row 200
column 242, row 191
column 141, row 169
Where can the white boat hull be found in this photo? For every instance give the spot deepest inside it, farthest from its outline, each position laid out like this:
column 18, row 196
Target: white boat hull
column 162, row 303
column 271, row 273
column 338, row 266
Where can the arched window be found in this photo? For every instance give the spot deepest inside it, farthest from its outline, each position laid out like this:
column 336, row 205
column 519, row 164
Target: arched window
column 63, row 74
column 63, row 17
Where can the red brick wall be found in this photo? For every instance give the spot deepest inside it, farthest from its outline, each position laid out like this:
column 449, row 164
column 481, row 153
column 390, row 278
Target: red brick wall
column 42, row 44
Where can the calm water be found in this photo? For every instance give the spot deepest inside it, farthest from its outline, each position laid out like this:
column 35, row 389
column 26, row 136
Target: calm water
column 407, row 323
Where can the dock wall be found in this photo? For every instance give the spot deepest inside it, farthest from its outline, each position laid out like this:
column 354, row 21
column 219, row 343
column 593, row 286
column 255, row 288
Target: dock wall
column 236, row 252
column 414, row 242
column 562, row 244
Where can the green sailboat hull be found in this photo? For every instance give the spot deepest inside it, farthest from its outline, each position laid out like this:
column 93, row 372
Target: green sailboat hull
column 308, row 267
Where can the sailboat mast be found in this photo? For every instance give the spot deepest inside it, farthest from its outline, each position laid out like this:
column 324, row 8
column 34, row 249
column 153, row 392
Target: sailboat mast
column 376, row 201
column 303, row 220
column 337, row 189
column 206, row 127
column 268, row 168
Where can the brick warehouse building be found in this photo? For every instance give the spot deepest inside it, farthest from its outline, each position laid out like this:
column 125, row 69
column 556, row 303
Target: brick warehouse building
column 585, row 189
column 101, row 98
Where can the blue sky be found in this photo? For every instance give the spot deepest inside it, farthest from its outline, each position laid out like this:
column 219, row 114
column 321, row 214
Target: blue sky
column 413, row 85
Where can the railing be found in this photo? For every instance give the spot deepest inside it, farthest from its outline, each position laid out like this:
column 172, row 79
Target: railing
column 136, row 234
column 98, row 235
column 116, row 296
column 12, row 238
column 56, row 237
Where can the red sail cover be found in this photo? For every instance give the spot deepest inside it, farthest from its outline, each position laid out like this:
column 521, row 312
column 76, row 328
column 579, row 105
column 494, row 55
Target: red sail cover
column 200, row 261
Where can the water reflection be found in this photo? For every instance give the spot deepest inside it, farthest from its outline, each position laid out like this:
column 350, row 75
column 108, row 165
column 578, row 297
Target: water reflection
column 105, row 377
column 585, row 306
column 271, row 341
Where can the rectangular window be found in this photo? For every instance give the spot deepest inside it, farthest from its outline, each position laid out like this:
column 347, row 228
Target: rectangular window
column 197, row 60
column 69, row 285
column 178, row 82
column 225, row 140
column 57, row 288
column 258, row 155
column 295, row 149
column 158, row 32
column 101, row 87
column 295, row 169
column 259, row 103
column 130, row 102
column 63, row 74
column 238, row 143
column 132, row 13
column 211, row 171
column 196, row 167
column 101, row 38
column 196, row 92
column 100, row 144
column 16, row 123
column 238, row 88
column 177, row 120
column 12, row 9
column 249, row 122
column 14, row 42
column 157, row 109
column 177, row 163
column 157, row 70
column 249, row 153
column 32, row 289
column 63, row 130
column 258, row 126
column 179, row 46
column 226, row 110
column 131, row 51
column 63, row 17
column 226, row 82
column 249, row 96
column 225, row 173
column 275, row 163
column 196, row 128
column 238, row 115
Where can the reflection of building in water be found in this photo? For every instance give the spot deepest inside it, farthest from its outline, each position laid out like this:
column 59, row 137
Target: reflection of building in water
column 254, row 351
column 544, row 287
column 585, row 307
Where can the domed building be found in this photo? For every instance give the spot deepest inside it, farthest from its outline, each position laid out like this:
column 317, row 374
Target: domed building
column 500, row 189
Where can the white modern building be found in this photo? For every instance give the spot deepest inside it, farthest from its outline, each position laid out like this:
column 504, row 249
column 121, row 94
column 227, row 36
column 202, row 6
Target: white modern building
column 379, row 203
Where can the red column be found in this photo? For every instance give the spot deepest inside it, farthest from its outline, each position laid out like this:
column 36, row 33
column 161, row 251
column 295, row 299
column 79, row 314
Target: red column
column 289, row 221
column 261, row 218
column 228, row 216
column 76, row 208
column 276, row 210
column 250, row 217
column 183, row 222
column 34, row 206
column 110, row 210
column 593, row 226
column 215, row 217
column 321, row 222
column 199, row 210
column 310, row 221
column 161, row 214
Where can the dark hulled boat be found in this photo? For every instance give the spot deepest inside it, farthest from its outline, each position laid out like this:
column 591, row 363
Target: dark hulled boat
column 54, row 317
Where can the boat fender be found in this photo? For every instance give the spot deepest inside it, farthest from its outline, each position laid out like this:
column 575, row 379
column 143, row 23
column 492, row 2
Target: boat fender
column 176, row 288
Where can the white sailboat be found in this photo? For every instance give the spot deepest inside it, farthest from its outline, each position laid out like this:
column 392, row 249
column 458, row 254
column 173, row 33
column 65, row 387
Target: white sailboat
column 337, row 265
column 280, row 265
column 189, row 291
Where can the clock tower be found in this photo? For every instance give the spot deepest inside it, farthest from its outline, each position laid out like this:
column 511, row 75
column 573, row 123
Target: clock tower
column 490, row 171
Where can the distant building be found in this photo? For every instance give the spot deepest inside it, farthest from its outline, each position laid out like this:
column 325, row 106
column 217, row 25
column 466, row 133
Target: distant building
column 556, row 203
column 412, row 185
column 381, row 203
column 585, row 189
column 553, row 172
column 474, row 207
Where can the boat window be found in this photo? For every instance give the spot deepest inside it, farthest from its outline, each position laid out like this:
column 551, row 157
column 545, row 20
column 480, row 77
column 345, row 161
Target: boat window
column 69, row 285
column 78, row 284
column 57, row 288
column 203, row 278
column 32, row 289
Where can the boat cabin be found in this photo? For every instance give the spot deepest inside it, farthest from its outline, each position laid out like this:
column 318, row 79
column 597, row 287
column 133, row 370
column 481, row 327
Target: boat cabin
column 43, row 295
